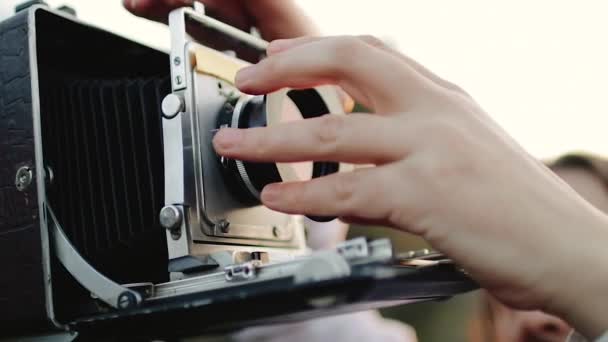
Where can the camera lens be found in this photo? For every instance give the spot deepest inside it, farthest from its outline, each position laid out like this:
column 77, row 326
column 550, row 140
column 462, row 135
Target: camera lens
column 247, row 179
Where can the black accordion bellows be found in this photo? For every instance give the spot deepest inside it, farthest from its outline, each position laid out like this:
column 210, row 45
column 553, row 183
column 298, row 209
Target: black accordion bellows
column 100, row 107
column 103, row 147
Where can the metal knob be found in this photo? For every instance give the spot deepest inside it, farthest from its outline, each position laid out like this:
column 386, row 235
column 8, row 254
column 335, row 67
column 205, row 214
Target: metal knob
column 173, row 104
column 170, row 217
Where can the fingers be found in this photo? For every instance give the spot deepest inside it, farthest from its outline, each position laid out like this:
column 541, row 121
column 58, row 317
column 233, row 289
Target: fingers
column 358, row 138
column 377, row 80
column 342, row 194
column 281, row 45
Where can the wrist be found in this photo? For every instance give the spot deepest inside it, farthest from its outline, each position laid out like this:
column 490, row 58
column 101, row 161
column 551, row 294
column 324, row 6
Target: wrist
column 581, row 291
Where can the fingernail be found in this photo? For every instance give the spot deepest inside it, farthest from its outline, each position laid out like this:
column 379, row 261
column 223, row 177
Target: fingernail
column 271, row 193
column 228, row 138
column 245, row 75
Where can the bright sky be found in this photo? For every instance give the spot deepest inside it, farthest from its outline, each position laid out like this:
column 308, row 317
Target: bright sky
column 538, row 67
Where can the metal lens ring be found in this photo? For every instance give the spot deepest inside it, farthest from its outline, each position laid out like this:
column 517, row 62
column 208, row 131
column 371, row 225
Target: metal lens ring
column 275, row 108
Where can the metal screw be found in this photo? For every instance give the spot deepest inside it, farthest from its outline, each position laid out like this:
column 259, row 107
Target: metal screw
column 177, row 61
column 224, row 226
column 23, row 178
column 126, row 300
column 170, row 217
column 276, row 231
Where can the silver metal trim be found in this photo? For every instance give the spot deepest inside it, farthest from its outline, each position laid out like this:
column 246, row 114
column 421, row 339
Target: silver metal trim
column 179, row 52
column 240, row 166
column 96, row 283
column 359, row 250
column 177, row 25
column 39, row 167
column 322, row 265
column 353, row 249
column 245, row 37
column 174, row 187
column 242, row 272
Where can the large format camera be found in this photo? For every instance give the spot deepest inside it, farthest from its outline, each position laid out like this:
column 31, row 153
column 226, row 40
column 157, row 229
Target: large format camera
column 117, row 218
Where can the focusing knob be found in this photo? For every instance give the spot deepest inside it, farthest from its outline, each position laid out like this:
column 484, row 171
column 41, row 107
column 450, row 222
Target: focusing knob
column 172, row 105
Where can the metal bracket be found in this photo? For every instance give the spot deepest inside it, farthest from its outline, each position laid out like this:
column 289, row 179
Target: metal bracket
column 179, row 38
column 245, row 271
column 360, row 250
column 111, row 293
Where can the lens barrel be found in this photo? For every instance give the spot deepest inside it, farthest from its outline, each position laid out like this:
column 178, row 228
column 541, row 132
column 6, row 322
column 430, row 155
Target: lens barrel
column 247, row 179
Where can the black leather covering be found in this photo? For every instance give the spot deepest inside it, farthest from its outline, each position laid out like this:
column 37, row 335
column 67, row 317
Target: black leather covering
column 22, row 296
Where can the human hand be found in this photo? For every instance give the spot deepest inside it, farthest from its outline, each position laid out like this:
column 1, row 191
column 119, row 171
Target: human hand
column 443, row 170
column 274, row 18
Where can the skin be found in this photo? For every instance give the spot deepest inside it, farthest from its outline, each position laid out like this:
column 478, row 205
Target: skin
column 507, row 324
column 443, row 170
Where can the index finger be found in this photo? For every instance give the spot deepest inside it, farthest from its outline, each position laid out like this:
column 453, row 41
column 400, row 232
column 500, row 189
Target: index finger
column 375, row 78
column 358, row 138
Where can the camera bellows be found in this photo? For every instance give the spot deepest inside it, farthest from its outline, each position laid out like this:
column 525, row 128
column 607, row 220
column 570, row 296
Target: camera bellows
column 103, row 146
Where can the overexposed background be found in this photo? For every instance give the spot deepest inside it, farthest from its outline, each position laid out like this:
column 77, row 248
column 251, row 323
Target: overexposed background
column 538, row 67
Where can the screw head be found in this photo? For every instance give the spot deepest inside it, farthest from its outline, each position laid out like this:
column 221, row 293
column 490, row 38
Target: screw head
column 23, row 178
column 276, row 231
column 170, row 217
column 224, row 226
column 126, row 300
column 177, row 61
column 172, row 105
